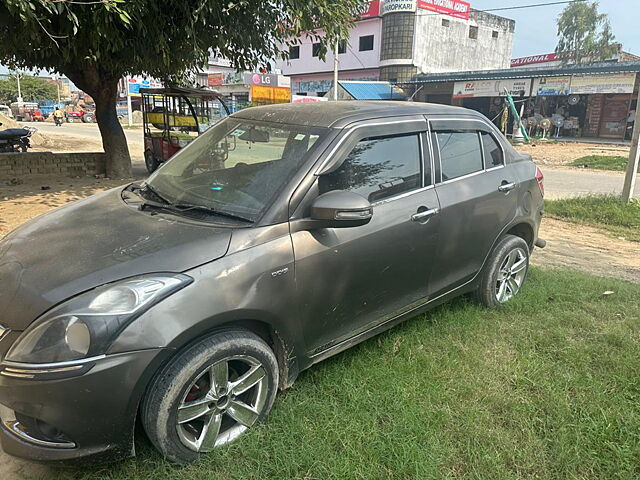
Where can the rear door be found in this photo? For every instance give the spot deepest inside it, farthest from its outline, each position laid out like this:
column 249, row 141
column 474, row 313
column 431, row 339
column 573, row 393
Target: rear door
column 353, row 279
column 476, row 192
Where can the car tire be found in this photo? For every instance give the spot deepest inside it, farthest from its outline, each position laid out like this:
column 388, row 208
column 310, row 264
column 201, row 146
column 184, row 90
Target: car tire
column 505, row 272
column 190, row 408
column 150, row 161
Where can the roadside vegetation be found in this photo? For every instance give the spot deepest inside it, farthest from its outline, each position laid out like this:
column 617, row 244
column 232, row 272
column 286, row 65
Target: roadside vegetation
column 602, row 162
column 545, row 387
column 606, row 212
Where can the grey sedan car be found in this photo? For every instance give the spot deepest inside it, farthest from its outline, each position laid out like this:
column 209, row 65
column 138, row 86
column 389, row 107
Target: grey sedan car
column 282, row 236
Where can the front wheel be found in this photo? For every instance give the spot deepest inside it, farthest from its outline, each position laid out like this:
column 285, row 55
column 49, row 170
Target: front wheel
column 504, row 273
column 210, row 394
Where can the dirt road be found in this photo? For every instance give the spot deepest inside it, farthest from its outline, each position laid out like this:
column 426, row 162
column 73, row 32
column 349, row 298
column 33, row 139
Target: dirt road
column 562, row 182
column 561, row 153
column 85, row 137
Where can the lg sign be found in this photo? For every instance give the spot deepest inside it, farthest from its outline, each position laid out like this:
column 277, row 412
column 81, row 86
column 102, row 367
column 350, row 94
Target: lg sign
column 258, row 79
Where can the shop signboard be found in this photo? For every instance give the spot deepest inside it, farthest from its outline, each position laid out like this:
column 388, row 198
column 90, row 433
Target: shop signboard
column 492, row 88
column 453, row 8
column 215, row 79
column 611, row 83
column 307, row 99
column 551, row 86
column 266, row 79
column 393, row 6
column 532, row 60
column 265, row 95
column 136, row 83
column 369, row 10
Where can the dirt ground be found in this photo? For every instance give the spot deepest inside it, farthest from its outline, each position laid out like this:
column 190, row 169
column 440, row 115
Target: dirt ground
column 585, row 248
column 41, row 142
column 19, row 203
column 568, row 244
column 561, row 153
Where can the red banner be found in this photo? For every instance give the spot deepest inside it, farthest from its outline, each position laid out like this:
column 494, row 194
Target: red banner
column 453, row 8
column 371, row 10
column 547, row 57
column 215, row 79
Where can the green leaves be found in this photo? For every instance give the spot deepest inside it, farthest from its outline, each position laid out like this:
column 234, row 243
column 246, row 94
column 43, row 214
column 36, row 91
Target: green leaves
column 97, row 42
column 584, row 34
column 170, row 37
column 33, row 88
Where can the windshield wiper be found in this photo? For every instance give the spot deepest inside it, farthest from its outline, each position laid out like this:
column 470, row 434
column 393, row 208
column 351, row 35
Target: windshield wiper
column 185, row 207
column 154, row 192
column 145, row 201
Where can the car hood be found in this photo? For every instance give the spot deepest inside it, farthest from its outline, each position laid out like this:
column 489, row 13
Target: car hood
column 92, row 242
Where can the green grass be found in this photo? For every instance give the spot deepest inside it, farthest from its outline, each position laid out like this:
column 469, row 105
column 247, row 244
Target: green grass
column 602, row 162
column 546, row 387
column 603, row 211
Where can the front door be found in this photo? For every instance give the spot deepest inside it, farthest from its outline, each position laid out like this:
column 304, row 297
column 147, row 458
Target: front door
column 353, row 279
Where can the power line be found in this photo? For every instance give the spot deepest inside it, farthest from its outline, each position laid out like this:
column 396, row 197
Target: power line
column 519, row 7
column 532, row 5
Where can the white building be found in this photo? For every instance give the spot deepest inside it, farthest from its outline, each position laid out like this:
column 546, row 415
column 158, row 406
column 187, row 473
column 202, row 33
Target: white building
column 396, row 40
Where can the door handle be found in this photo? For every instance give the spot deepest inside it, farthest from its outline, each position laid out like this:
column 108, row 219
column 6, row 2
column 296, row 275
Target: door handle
column 417, row 217
column 506, row 187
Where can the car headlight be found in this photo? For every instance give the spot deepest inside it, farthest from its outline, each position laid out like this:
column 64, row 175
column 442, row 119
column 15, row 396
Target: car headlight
column 84, row 326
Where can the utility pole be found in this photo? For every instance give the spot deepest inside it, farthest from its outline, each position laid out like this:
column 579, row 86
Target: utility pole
column 57, row 80
column 335, row 71
column 129, row 109
column 19, row 91
column 634, row 159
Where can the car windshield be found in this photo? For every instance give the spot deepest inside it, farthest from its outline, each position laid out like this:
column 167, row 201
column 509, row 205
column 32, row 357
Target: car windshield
column 236, row 168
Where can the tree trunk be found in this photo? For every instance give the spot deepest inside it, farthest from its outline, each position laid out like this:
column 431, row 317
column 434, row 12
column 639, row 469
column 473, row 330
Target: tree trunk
column 114, row 140
column 105, row 93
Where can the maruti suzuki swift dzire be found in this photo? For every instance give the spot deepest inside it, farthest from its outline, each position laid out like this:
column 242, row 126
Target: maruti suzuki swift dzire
column 283, row 235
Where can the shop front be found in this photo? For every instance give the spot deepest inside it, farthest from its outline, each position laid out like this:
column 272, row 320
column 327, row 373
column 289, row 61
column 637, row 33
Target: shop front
column 588, row 101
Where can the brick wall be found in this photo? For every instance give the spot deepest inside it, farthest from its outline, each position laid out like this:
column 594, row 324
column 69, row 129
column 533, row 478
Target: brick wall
column 68, row 164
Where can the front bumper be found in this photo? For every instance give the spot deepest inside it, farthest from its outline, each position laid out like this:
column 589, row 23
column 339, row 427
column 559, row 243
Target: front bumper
column 93, row 409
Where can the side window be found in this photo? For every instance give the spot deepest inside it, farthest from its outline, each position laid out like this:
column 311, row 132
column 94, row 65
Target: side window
column 492, row 152
column 378, row 168
column 459, row 153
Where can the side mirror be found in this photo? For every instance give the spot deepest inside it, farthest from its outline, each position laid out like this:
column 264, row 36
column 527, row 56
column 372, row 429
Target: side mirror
column 339, row 208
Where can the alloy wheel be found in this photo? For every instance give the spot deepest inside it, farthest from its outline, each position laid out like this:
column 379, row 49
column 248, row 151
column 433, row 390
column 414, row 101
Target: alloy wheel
column 225, row 400
column 511, row 275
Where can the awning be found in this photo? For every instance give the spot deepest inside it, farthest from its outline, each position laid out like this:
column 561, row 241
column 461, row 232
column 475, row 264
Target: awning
column 372, row 90
column 536, row 72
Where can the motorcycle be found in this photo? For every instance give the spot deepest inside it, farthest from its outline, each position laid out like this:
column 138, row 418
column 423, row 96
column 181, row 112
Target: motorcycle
column 15, row 139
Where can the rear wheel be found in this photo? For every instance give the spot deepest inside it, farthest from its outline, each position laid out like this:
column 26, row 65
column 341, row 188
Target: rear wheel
column 150, row 161
column 210, row 394
column 504, row 273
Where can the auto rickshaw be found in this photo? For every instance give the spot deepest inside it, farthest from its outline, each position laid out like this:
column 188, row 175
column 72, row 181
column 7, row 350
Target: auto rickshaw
column 173, row 117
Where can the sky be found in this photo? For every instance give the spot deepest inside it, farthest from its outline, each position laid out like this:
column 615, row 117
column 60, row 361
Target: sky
column 536, row 27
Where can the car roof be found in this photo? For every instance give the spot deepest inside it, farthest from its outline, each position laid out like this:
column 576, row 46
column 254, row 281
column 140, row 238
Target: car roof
column 339, row 114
